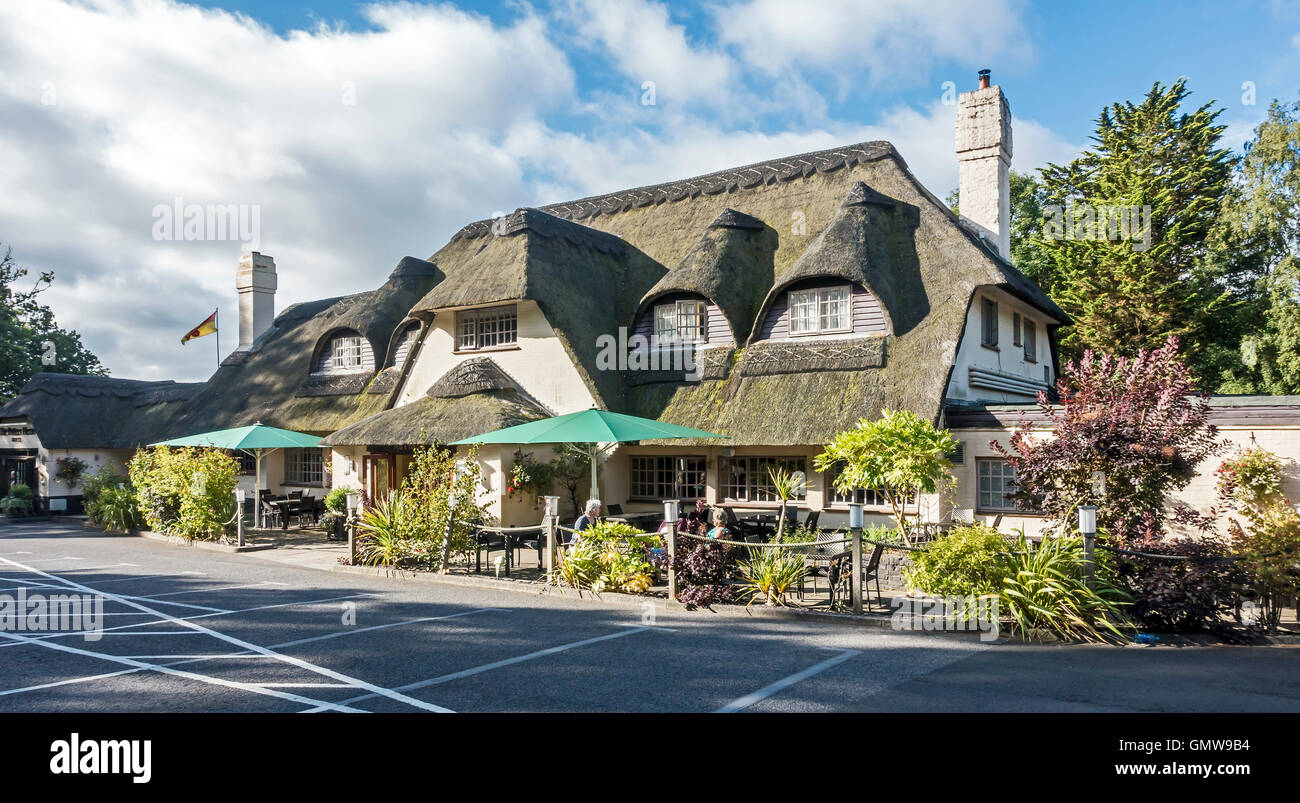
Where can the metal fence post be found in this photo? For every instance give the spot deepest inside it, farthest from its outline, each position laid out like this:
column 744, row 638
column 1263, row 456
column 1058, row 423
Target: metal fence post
column 855, row 575
column 672, row 555
column 1088, row 529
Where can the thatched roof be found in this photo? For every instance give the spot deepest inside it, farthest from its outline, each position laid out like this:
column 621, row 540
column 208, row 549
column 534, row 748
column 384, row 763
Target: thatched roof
column 585, row 281
column 428, row 420
column 97, row 412
column 917, row 261
column 272, row 382
column 731, row 265
column 855, row 212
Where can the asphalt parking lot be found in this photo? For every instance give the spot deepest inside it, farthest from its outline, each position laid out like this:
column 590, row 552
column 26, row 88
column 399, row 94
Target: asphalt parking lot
column 191, row 630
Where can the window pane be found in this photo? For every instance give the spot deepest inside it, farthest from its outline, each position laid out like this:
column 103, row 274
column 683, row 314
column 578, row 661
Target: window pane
column 691, row 318
column 666, row 323
column 803, row 311
column 835, row 308
column 1031, row 341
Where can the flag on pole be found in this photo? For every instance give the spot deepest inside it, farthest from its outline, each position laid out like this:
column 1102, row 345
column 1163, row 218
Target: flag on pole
column 206, row 328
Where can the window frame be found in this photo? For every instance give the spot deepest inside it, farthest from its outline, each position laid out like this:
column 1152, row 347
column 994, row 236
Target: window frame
column 862, row 496
column 988, row 323
column 669, row 477
column 678, row 312
column 1007, row 506
column 1030, row 340
column 298, row 469
column 474, row 327
column 755, row 480
column 817, row 304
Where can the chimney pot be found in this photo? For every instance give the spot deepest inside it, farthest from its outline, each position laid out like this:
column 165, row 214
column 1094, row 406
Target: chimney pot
column 984, row 78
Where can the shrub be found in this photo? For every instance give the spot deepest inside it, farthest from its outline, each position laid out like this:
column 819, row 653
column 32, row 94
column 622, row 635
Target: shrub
column 1270, row 550
column 771, row 573
column 1138, row 421
column 704, row 571
column 1044, row 590
column 900, row 455
column 1180, row 596
column 610, row 555
column 115, row 509
column 971, row 559
column 383, row 540
column 186, row 492
column 106, row 487
column 18, row 502
column 438, row 488
column 336, row 508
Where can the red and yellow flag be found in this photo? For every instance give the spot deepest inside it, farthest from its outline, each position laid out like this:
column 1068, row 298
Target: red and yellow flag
column 206, row 328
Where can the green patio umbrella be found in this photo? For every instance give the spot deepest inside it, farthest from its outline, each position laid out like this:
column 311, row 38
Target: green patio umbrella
column 592, row 427
column 256, row 440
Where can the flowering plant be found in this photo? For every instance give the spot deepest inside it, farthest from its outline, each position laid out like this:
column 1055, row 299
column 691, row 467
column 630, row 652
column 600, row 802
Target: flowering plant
column 70, row 470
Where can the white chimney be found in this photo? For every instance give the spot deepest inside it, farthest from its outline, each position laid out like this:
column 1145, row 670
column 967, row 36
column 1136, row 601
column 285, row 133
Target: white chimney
column 255, row 280
column 984, row 159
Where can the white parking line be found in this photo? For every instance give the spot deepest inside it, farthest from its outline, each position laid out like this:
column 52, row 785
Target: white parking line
column 785, row 683
column 301, row 664
column 464, row 673
column 146, row 577
column 166, row 670
column 206, row 590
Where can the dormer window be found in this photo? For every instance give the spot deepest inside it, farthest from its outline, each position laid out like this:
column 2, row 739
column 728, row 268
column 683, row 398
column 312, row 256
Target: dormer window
column 820, row 310
column 346, row 352
column 487, row 328
column 684, row 321
column 404, row 343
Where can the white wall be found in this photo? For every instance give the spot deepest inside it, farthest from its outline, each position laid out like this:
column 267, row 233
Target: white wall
column 538, row 362
column 1006, row 358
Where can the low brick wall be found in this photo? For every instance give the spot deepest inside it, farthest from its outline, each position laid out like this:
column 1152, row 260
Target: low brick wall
column 892, row 562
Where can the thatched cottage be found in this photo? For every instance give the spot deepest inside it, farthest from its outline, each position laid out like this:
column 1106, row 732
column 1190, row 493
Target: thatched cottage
column 805, row 293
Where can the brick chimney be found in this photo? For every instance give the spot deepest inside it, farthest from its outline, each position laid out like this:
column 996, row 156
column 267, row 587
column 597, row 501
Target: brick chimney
column 984, row 160
column 256, row 282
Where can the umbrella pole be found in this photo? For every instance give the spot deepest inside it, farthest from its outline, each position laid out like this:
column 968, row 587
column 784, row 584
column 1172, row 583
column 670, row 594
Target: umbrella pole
column 595, row 472
column 257, row 490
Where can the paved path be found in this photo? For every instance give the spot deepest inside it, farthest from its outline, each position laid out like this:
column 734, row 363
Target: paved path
column 194, row 630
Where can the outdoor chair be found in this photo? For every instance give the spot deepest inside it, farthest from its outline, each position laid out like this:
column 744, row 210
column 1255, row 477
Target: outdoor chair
column 530, row 540
column 270, row 513
column 813, row 518
column 871, row 572
column 825, row 553
column 489, row 542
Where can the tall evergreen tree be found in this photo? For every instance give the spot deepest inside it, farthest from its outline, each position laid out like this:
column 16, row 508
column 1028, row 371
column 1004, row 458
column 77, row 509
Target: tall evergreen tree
column 30, row 339
column 1126, row 295
column 1263, row 230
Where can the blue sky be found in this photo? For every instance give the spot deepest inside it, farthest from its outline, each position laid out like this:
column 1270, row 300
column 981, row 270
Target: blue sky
column 366, row 132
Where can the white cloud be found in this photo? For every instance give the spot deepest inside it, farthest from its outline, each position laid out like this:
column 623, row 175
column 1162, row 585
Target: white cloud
column 152, row 100
column 897, row 41
column 644, row 44
column 455, row 117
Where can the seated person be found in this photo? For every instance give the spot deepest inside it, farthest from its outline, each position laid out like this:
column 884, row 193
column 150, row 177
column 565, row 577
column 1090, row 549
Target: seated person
column 590, row 516
column 719, row 526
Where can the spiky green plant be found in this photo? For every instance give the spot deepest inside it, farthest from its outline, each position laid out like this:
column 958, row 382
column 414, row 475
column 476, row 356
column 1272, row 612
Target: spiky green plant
column 787, row 485
column 382, row 541
column 1044, row 590
column 770, row 574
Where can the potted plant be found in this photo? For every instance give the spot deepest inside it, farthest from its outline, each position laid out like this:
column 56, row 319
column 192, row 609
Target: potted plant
column 336, row 513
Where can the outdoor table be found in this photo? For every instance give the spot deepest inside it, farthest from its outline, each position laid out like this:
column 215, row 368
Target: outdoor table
column 282, row 506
